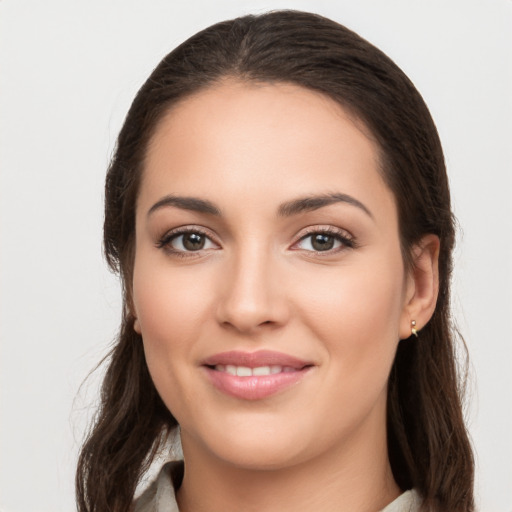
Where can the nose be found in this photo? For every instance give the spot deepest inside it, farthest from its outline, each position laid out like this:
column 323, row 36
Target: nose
column 252, row 295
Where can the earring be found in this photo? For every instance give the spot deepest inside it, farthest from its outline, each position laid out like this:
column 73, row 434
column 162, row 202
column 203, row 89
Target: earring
column 413, row 328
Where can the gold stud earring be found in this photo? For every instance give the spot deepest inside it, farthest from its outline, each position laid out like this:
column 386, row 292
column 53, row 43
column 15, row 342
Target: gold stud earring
column 413, row 328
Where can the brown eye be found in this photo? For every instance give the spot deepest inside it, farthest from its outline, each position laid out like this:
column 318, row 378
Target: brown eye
column 325, row 241
column 187, row 242
column 193, row 241
column 322, row 242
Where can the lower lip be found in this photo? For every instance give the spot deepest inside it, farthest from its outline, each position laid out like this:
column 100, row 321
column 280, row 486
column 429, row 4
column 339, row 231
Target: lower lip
column 254, row 387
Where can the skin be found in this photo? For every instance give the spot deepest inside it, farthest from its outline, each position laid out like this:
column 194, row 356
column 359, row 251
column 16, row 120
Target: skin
column 258, row 284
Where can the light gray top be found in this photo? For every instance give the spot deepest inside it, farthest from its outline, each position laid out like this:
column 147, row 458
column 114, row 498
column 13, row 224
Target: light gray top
column 160, row 495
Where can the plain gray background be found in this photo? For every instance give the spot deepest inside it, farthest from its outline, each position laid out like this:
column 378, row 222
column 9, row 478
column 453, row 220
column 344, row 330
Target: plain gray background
column 69, row 71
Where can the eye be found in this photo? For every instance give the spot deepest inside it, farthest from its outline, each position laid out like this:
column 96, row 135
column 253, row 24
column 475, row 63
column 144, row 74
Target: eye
column 190, row 240
column 324, row 241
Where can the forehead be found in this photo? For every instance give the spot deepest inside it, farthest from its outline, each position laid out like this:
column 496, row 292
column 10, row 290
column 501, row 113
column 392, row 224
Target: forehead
column 265, row 142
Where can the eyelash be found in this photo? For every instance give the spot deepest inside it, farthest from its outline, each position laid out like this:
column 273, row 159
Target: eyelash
column 347, row 241
column 167, row 238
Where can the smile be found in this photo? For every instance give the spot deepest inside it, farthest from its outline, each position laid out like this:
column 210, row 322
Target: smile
column 256, row 375
column 245, row 371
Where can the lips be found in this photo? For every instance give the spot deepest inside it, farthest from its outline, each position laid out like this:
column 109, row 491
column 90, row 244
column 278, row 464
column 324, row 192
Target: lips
column 245, row 371
column 254, row 375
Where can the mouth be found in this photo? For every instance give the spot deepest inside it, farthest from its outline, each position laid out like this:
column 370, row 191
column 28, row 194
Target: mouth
column 246, row 371
column 254, row 375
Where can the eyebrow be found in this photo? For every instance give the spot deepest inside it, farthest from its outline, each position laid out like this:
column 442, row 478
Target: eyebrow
column 287, row 209
column 186, row 203
column 310, row 203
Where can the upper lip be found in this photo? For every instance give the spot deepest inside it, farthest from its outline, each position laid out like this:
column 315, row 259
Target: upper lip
column 256, row 359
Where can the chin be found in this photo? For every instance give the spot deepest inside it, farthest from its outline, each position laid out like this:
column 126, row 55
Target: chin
column 262, row 456
column 253, row 447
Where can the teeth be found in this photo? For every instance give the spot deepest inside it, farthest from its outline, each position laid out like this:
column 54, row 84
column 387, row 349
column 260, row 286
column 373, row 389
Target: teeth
column 231, row 369
column 244, row 371
column 261, row 370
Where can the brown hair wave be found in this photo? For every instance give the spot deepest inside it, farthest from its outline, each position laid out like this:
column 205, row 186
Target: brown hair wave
column 427, row 440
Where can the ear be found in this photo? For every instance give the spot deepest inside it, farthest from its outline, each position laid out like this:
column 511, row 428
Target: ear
column 422, row 285
column 133, row 313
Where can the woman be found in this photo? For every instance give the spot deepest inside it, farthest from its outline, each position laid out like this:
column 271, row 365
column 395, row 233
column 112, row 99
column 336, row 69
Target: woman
column 278, row 210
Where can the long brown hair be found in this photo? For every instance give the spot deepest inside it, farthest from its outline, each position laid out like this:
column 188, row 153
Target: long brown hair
column 427, row 439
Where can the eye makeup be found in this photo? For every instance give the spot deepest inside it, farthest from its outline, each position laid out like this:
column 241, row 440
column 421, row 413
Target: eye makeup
column 325, row 239
column 187, row 241
column 193, row 241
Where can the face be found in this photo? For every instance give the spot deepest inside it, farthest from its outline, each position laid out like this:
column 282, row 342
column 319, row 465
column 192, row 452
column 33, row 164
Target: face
column 268, row 283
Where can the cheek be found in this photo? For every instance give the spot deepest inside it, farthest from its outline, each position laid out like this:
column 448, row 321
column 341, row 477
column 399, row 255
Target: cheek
column 170, row 309
column 361, row 297
column 357, row 313
column 169, row 305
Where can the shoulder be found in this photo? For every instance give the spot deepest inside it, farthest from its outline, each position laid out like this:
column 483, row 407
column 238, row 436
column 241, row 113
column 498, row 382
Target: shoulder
column 409, row 501
column 160, row 496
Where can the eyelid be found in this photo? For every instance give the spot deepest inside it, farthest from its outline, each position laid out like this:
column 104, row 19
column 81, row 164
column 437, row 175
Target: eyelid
column 163, row 242
column 347, row 240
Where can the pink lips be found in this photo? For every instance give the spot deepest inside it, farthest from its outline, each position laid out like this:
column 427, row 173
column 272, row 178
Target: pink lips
column 232, row 373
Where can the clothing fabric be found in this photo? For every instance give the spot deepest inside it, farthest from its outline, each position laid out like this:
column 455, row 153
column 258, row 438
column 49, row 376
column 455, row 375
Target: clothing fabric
column 160, row 496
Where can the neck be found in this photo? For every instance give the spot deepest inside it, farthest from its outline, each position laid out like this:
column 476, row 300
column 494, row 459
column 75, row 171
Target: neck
column 355, row 477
